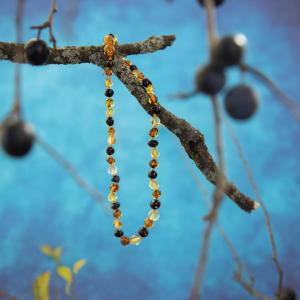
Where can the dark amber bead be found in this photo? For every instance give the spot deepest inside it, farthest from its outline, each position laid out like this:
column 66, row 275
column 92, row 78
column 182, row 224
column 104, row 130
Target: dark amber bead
column 109, row 93
column 119, row 233
column 111, row 160
column 117, row 214
column 155, row 110
column 116, row 179
column 125, row 240
column 143, row 232
column 152, row 174
column 153, row 143
column 156, row 194
column 148, row 223
column 114, row 187
column 133, row 67
column 115, row 205
column 110, row 150
column 153, row 132
column 146, row 82
column 155, row 204
column 109, row 64
column 153, row 163
column 108, row 72
column 110, row 121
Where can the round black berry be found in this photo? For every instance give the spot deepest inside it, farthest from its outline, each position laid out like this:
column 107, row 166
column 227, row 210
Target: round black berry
column 288, row 294
column 217, row 2
column 152, row 174
column 115, row 179
column 37, row 52
column 119, row 233
column 143, row 232
column 133, row 67
column 146, row 82
column 17, row 137
column 230, row 50
column 109, row 64
column 110, row 121
column 109, row 93
column 110, row 150
column 153, row 143
column 210, row 80
column 155, row 204
column 155, row 110
column 115, row 205
column 241, row 102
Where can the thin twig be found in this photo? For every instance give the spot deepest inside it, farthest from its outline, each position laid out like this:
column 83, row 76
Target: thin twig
column 47, row 24
column 287, row 101
column 183, row 95
column 264, row 208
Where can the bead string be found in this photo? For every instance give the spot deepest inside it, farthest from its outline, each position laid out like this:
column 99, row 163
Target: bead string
column 110, row 43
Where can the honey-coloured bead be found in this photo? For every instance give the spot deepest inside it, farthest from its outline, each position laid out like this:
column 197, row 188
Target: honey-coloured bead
column 117, row 214
column 154, row 153
column 111, row 139
column 112, row 197
column 114, row 187
column 154, row 215
column 125, row 240
column 108, row 82
column 111, row 160
column 148, row 223
column 111, row 130
column 109, row 103
column 109, row 112
column 140, row 76
column 153, row 132
column 153, row 163
column 152, row 99
column 109, row 50
column 135, row 240
column 143, row 232
column 108, row 72
column 156, row 194
column 153, row 184
column 108, row 40
column 117, row 223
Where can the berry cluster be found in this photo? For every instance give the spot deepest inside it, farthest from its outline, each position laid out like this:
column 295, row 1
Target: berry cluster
column 109, row 51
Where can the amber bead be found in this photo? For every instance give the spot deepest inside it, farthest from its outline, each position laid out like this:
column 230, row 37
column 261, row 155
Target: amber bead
column 153, row 143
column 155, row 204
column 117, row 214
column 155, row 121
column 109, row 93
column 133, row 67
column 108, row 82
column 148, row 223
column 116, row 179
column 114, row 187
column 110, row 121
column 153, row 163
column 112, row 169
column 111, row 139
column 153, row 184
column 109, row 103
column 153, row 132
column 117, row 223
column 109, row 50
column 115, row 205
column 111, row 160
column 140, row 76
column 110, row 150
column 150, row 89
column 108, row 72
column 108, row 40
column 146, row 82
column 154, row 153
column 152, row 99
column 135, row 240
column 119, row 233
column 143, row 232
column 112, row 197
column 155, row 110
column 111, row 130
column 153, row 215
column 109, row 64
column 109, row 112
column 152, row 174
column 125, row 240
column 156, row 194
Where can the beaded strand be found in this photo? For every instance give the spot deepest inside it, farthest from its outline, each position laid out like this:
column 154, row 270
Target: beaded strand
column 110, row 43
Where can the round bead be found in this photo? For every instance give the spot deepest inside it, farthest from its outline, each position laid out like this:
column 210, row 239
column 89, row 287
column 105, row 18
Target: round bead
column 112, row 169
column 111, row 160
column 108, row 72
column 210, row 80
column 152, row 99
column 118, row 233
column 17, row 137
column 152, row 174
column 110, row 121
column 143, row 232
column 110, row 150
column 217, row 2
column 154, row 110
column 117, row 214
column 109, row 103
column 155, row 204
column 135, row 240
column 154, row 215
column 116, row 179
column 111, row 130
column 153, row 163
column 133, row 67
column 153, row 132
column 156, row 194
column 115, row 205
column 153, row 184
column 117, row 223
column 241, row 102
column 112, row 197
column 109, row 64
column 153, row 143
column 154, row 153
column 108, row 82
column 108, row 40
column 37, row 52
column 148, row 223
column 114, row 187
column 146, row 82
column 124, row 240
column 109, row 93
column 109, row 50
column 155, row 121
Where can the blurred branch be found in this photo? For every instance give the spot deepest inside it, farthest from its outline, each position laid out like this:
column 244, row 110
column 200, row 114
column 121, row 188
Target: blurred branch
column 191, row 139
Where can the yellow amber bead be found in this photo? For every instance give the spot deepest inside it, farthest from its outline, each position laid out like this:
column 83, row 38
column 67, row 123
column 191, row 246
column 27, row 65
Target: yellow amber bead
column 153, row 184
column 135, row 72
column 109, row 103
column 150, row 89
column 117, row 223
column 135, row 240
column 108, row 82
column 153, row 215
column 117, row 214
column 155, row 121
column 109, row 112
column 112, row 169
column 112, row 197
column 111, row 139
column 148, row 223
column 154, row 153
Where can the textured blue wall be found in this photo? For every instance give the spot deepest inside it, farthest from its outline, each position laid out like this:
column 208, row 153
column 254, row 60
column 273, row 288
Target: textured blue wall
column 40, row 204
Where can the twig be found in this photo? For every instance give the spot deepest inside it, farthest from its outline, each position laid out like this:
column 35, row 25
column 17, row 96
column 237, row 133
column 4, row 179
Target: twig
column 290, row 103
column 183, row 95
column 48, row 24
column 265, row 211
column 70, row 169
column 191, row 139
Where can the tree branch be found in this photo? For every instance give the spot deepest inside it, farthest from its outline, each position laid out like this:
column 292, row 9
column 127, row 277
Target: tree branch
column 191, row 139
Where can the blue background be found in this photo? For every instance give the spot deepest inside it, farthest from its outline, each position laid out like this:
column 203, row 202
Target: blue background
column 40, row 204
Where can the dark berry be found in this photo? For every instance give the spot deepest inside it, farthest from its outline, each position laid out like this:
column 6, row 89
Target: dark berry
column 109, row 64
column 110, row 150
column 288, row 294
column 153, row 143
column 152, row 174
column 143, row 232
column 155, row 204
column 230, row 50
column 109, row 93
column 119, row 233
column 17, row 137
column 110, row 121
column 37, row 52
column 217, row 2
column 116, row 179
column 155, row 110
column 115, row 205
column 210, row 80
column 133, row 67
column 146, row 82
column 241, row 102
